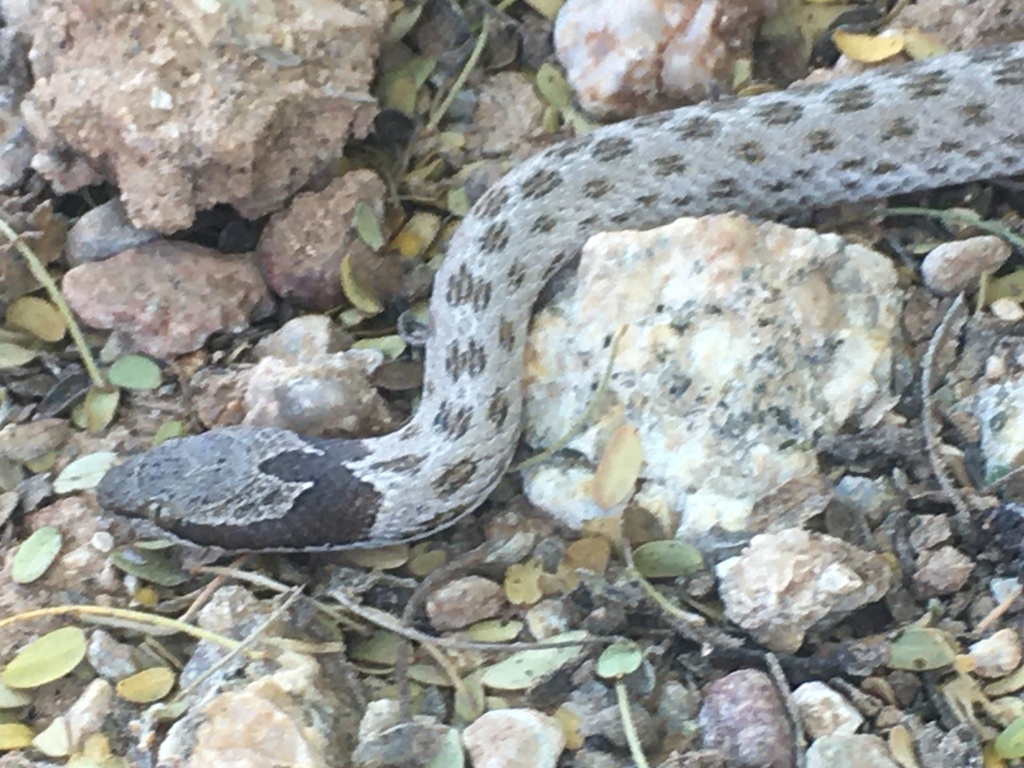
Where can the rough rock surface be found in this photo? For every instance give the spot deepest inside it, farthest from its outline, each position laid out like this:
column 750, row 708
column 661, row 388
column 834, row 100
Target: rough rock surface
column 624, row 58
column 302, row 382
column 214, row 103
column 744, row 718
column 167, row 297
column 301, row 249
column 784, row 583
column 744, row 344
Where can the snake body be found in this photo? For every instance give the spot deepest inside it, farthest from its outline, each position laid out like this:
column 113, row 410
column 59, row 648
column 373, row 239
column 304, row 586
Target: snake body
column 952, row 119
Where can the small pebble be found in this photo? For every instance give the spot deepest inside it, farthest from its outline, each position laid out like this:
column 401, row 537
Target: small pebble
column 942, row 571
column 854, row 751
column 744, row 718
column 463, row 602
column 514, row 738
column 998, row 654
column 104, row 231
column 825, row 712
column 1007, row 309
column 958, row 266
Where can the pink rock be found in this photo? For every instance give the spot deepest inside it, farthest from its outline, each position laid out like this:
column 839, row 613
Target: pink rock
column 167, row 297
column 744, row 718
column 625, row 58
column 301, row 249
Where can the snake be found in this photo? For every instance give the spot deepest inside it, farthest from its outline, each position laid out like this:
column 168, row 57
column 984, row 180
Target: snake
column 952, row 119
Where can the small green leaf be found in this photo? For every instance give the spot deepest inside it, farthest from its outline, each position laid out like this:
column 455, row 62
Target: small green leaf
column 458, row 201
column 619, row 660
column 146, row 686
column 14, row 356
column 11, row 699
column 1009, row 744
column 920, row 649
column 552, row 86
column 47, row 659
column 168, row 430
column 368, row 226
column 521, row 670
column 157, row 566
column 15, row 736
column 37, row 316
column 34, row 555
column 667, row 559
column 134, row 372
column 84, row 473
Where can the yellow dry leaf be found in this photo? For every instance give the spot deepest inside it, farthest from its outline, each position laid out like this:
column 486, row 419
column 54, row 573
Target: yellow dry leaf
column 146, row 686
column 362, row 297
column 570, row 723
column 522, row 583
column 619, row 468
column 867, row 49
column 920, row 45
column 37, row 316
column 591, row 553
column 416, row 234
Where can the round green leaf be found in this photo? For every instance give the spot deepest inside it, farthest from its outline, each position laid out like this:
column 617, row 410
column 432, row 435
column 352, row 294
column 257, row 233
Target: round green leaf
column 99, row 408
column 47, row 659
column 84, row 473
column 368, row 226
column 14, row 356
column 146, row 686
column 618, row 660
column 156, row 566
column 667, row 559
column 34, row 555
column 134, row 372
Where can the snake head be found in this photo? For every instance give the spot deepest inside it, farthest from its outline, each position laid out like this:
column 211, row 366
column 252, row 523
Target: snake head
column 247, row 488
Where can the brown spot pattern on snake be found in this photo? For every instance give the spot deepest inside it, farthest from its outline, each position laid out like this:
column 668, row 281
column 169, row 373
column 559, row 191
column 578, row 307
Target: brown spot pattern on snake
column 472, row 360
column 669, row 165
column 1010, row 73
column 723, row 188
column 611, row 149
column 698, row 127
column 926, row 85
column 494, row 201
column 453, row 478
column 900, row 128
column 543, row 224
column 506, row 334
column 854, row 98
column 595, row 189
column 451, row 421
column 516, row 275
column 976, row 115
column 822, row 140
column 405, row 463
column 780, row 113
column 495, row 238
column 751, row 152
column 540, row 184
column 497, row 409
